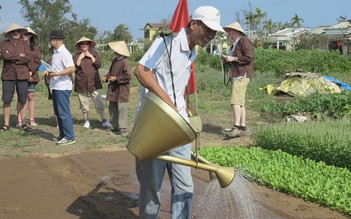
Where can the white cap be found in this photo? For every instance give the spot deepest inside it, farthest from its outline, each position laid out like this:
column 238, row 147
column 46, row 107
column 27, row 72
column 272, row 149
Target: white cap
column 210, row 16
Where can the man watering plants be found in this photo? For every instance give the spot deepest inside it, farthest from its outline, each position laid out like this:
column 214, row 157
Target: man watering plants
column 241, row 73
column 165, row 70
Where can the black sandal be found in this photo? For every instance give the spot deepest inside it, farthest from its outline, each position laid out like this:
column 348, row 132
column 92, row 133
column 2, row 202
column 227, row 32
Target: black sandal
column 26, row 128
column 4, row 128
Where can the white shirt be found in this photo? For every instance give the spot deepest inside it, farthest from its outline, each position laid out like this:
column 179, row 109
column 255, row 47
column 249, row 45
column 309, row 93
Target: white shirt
column 156, row 59
column 61, row 59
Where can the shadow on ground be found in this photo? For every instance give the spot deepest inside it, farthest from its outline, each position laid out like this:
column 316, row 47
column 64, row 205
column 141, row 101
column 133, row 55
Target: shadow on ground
column 208, row 128
column 104, row 202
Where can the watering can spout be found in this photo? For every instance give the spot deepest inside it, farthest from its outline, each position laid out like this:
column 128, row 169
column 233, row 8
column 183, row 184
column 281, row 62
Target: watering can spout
column 225, row 175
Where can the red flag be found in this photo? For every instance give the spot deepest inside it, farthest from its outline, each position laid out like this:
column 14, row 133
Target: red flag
column 180, row 20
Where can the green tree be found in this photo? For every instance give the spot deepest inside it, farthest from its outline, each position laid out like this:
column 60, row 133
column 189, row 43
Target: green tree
column 250, row 22
column 260, row 15
column 121, row 32
column 269, row 27
column 280, row 25
column 46, row 15
column 296, row 21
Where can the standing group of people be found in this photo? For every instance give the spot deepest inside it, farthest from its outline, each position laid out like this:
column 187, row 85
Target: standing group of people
column 22, row 59
column 164, row 70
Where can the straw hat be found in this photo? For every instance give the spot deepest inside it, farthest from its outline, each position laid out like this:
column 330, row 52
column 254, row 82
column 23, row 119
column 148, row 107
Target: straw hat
column 119, row 47
column 85, row 39
column 235, row 26
column 12, row 28
column 30, row 30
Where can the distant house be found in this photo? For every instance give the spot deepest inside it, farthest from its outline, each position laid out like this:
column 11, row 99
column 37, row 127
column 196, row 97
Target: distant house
column 339, row 37
column 151, row 30
column 287, row 38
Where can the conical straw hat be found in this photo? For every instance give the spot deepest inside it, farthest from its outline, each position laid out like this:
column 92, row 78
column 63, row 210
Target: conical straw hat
column 30, row 30
column 119, row 47
column 85, row 39
column 12, row 28
column 234, row 26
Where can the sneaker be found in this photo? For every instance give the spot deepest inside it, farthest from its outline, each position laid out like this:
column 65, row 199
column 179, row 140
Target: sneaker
column 86, row 124
column 106, row 125
column 122, row 132
column 233, row 133
column 58, row 138
column 33, row 123
column 65, row 141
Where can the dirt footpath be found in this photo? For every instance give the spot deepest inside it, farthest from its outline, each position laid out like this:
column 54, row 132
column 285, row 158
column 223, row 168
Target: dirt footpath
column 104, row 185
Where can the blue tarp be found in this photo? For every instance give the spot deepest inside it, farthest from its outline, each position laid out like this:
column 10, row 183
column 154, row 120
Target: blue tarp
column 341, row 84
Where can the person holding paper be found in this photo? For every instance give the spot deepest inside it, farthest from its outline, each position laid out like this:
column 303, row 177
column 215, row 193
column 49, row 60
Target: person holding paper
column 61, row 86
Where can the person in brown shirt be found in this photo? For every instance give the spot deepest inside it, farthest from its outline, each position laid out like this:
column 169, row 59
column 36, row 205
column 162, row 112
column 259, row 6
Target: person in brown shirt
column 30, row 37
column 119, row 78
column 241, row 72
column 15, row 72
column 87, row 81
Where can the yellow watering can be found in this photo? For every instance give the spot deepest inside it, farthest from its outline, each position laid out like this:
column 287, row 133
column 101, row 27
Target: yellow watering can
column 158, row 128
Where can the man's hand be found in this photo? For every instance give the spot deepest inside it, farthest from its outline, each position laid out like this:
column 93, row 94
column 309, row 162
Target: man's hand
column 104, row 79
column 53, row 74
column 230, row 58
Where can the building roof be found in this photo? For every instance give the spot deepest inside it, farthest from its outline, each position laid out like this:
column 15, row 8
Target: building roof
column 342, row 28
column 318, row 30
column 288, row 32
column 341, row 25
column 156, row 25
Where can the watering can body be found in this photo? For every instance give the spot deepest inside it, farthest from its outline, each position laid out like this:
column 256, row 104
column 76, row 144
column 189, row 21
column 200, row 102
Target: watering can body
column 157, row 129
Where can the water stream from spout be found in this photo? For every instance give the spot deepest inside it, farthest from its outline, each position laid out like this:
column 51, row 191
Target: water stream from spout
column 236, row 201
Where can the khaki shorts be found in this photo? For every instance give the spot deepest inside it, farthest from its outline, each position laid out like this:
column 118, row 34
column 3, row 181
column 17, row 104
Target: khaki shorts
column 238, row 91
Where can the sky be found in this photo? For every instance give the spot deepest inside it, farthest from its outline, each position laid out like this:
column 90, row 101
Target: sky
column 108, row 14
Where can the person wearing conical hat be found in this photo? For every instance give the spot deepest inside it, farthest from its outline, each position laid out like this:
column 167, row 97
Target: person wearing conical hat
column 165, row 69
column 15, row 72
column 240, row 60
column 118, row 79
column 87, row 81
column 30, row 37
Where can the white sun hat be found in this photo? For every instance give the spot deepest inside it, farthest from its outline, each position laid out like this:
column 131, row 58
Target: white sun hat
column 210, row 16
